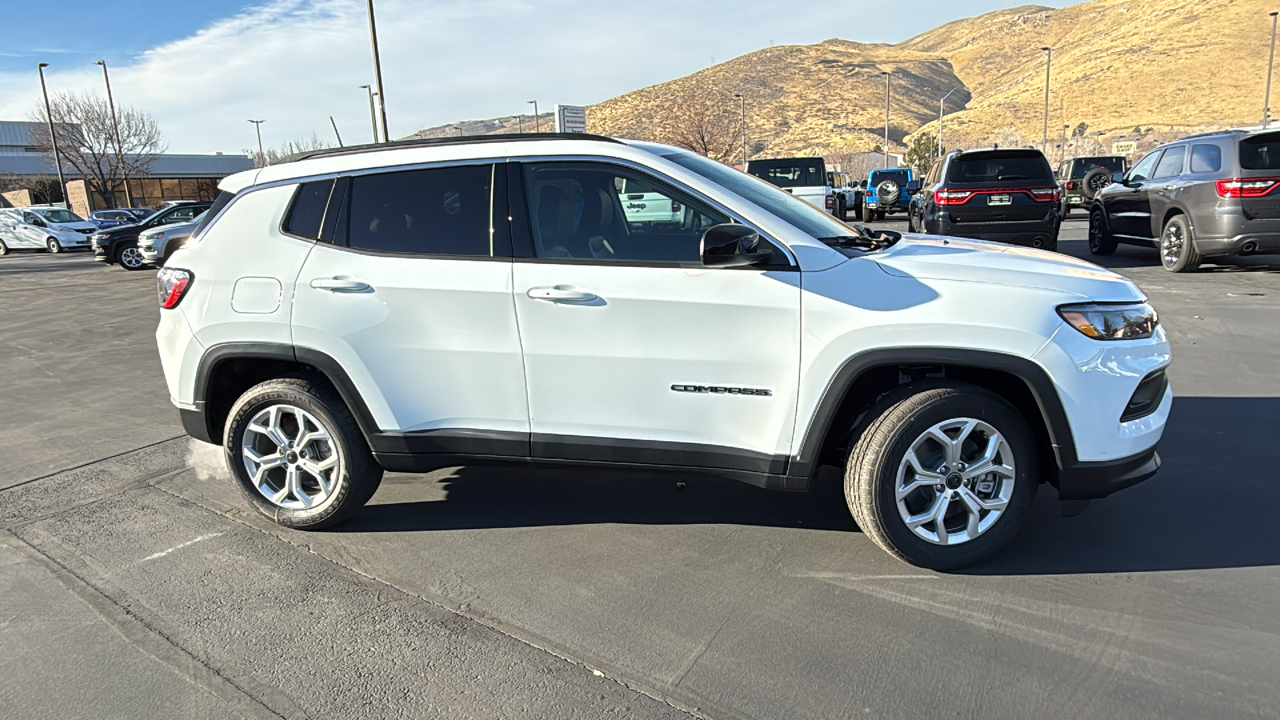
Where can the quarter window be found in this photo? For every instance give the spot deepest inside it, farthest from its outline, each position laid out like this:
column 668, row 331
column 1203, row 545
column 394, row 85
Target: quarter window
column 307, row 213
column 1171, row 164
column 589, row 211
column 1206, row 158
column 437, row 211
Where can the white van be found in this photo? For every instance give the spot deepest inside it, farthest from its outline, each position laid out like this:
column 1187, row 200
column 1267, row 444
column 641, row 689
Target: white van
column 46, row 228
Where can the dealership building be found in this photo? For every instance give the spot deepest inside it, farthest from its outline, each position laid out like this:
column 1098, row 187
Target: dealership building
column 170, row 176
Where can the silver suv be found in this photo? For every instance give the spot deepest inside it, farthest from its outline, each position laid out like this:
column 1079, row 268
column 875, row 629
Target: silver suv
column 1199, row 197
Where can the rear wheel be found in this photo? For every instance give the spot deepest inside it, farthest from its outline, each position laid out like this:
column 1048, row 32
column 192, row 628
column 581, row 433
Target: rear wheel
column 943, row 476
column 911, row 222
column 4, row 249
column 54, row 246
column 1100, row 240
column 1177, row 247
column 298, row 455
column 130, row 258
column 867, row 214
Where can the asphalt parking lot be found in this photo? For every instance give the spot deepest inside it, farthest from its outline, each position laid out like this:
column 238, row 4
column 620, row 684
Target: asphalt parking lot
column 135, row 583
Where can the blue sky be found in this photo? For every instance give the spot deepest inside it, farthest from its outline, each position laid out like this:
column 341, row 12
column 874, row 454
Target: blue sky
column 203, row 67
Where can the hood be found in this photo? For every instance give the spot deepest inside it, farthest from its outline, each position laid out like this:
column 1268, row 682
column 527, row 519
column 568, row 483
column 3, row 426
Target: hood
column 935, row 258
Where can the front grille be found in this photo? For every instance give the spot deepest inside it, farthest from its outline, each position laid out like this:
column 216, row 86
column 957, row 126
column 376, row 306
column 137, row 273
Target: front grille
column 1147, row 397
column 87, row 231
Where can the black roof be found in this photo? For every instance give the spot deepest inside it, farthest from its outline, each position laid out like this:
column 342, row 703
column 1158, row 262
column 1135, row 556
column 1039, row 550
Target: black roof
column 459, row 140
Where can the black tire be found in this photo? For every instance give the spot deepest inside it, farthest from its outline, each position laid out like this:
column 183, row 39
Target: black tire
column 880, row 215
column 130, row 257
column 1065, row 210
column 53, row 245
column 356, row 477
column 4, row 249
column 867, row 214
column 895, row 424
column 1051, row 245
column 1177, row 247
column 1101, row 241
column 911, row 222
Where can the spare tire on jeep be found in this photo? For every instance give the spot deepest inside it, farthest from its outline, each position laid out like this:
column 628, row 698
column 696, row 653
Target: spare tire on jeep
column 1095, row 180
column 888, row 191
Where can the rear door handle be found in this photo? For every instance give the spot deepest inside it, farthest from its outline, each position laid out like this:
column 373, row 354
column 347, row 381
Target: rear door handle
column 563, row 294
column 341, row 285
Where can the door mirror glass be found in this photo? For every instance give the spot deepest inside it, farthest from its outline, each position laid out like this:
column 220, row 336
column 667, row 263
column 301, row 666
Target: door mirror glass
column 913, row 186
column 1117, row 177
column 732, row 245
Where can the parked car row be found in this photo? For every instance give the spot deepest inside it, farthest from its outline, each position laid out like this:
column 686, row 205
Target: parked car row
column 150, row 242
column 43, row 228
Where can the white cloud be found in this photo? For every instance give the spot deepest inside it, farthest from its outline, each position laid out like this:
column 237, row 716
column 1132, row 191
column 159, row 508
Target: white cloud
column 295, row 62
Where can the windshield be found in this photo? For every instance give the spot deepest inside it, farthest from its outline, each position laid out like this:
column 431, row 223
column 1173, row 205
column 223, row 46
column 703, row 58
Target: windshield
column 800, row 214
column 60, row 216
column 795, row 172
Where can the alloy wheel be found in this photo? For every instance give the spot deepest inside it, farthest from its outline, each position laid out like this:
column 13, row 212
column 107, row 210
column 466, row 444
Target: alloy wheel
column 1171, row 243
column 955, row 481
column 131, row 257
column 290, row 457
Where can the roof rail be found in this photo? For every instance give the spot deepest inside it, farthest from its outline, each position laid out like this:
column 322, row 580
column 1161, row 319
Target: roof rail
column 432, row 142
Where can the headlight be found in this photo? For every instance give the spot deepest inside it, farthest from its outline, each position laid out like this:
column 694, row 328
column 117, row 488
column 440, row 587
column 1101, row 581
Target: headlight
column 1129, row 321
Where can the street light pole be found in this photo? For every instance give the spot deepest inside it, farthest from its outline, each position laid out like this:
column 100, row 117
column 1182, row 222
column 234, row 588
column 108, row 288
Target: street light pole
column 257, row 125
column 115, row 123
column 942, row 100
column 743, row 98
column 1266, row 103
column 53, row 137
column 537, row 124
column 373, row 116
column 886, row 118
column 377, row 70
column 1044, row 144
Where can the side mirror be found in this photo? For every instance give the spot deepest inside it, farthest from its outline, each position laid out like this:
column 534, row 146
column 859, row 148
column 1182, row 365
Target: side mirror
column 732, row 245
column 1117, row 177
column 913, row 186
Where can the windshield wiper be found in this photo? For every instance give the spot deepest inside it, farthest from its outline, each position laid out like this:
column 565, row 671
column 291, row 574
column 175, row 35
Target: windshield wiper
column 866, row 238
column 1012, row 177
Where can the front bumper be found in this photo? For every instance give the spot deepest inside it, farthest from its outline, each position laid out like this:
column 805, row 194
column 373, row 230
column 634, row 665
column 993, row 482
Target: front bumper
column 1093, row 480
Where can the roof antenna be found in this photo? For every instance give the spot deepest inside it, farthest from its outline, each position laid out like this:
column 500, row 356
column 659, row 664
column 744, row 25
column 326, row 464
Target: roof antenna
column 335, row 130
column 995, row 146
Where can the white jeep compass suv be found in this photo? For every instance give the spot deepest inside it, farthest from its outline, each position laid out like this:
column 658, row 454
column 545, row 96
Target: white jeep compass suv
column 418, row 305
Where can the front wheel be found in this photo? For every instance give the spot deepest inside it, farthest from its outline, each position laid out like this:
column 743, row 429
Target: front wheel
column 944, row 474
column 130, row 258
column 1177, row 247
column 54, row 246
column 1101, row 241
column 4, row 249
column 298, row 455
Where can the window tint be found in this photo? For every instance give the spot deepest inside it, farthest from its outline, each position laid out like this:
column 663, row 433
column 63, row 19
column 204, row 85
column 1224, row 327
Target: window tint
column 1145, row 166
column 577, row 211
column 1085, row 165
column 1171, row 164
column 1206, row 158
column 999, row 166
column 439, row 211
column 307, row 213
column 218, row 203
column 1260, row 152
column 790, row 173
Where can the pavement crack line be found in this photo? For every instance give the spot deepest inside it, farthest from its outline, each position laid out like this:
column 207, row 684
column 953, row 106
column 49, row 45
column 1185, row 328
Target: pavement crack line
column 599, row 669
column 139, row 633
column 81, row 466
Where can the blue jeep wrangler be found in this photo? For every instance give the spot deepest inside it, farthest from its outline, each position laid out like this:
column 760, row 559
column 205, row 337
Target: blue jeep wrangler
column 888, row 191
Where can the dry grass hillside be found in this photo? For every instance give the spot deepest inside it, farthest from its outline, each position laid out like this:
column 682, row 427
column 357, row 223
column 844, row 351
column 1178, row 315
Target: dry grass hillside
column 1175, row 65
column 801, row 99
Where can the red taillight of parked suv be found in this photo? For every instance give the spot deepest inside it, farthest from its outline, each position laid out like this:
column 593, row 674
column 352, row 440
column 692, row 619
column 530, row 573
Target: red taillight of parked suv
column 173, row 285
column 1246, row 187
column 831, row 202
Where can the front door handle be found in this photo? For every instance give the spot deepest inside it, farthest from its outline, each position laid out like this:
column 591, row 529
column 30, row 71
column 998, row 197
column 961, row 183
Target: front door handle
column 341, row 285
column 560, row 293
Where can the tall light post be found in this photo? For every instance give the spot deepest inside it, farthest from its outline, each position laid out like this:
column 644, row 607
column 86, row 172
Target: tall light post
column 537, row 124
column 377, row 70
column 53, row 137
column 1266, row 103
column 942, row 100
column 115, row 124
column 457, row 130
column 520, row 122
column 743, row 98
column 1048, row 67
column 373, row 116
column 886, row 118
column 257, row 125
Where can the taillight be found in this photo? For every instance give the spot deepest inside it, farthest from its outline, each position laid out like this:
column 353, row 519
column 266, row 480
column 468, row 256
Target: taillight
column 675, row 206
column 173, row 285
column 953, row 197
column 1250, row 188
column 831, row 202
column 1071, row 184
column 1044, row 194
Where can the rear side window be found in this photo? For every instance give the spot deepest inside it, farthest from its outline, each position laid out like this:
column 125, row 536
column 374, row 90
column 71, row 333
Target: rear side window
column 1206, row 158
column 438, row 211
column 218, row 203
column 1171, row 164
column 998, row 167
column 307, row 212
column 1260, row 152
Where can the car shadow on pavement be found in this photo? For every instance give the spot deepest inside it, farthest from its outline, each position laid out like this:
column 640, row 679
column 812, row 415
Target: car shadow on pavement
column 1132, row 256
column 1212, row 505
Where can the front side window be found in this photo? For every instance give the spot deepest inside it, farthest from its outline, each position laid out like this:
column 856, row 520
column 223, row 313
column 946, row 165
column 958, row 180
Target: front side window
column 437, row 211
column 1206, row 158
column 1146, row 166
column 183, row 214
column 595, row 211
column 1171, row 164
column 32, row 219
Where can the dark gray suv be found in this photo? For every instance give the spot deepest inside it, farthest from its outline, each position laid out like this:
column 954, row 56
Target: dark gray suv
column 1199, row 197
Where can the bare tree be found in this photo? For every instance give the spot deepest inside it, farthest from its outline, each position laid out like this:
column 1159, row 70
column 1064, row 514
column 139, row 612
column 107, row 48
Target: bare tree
column 703, row 124
column 288, row 148
column 87, row 139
